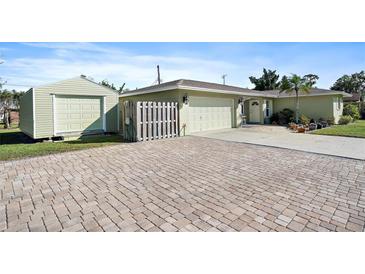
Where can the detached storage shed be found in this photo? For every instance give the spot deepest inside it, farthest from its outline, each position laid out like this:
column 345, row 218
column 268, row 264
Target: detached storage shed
column 72, row 107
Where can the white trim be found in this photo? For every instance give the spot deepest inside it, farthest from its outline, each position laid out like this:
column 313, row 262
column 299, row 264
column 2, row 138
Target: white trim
column 104, row 113
column 159, row 89
column 249, row 93
column 102, row 106
column 33, row 109
column 54, row 113
column 77, row 94
column 311, row 95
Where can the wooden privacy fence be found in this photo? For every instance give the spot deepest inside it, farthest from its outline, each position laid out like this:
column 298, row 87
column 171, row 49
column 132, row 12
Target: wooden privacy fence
column 145, row 121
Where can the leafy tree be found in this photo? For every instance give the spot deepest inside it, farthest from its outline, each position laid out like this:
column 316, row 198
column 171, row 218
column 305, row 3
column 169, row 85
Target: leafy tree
column 311, row 78
column 8, row 101
column 296, row 84
column 352, row 111
column 268, row 81
column 16, row 98
column 106, row 84
column 354, row 83
column 5, row 106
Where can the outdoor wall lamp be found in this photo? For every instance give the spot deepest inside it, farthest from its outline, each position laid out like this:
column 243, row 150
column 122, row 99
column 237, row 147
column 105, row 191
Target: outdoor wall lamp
column 185, row 99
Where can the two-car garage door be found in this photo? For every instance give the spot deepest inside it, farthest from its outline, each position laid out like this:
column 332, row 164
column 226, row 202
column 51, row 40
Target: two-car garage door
column 208, row 113
column 78, row 113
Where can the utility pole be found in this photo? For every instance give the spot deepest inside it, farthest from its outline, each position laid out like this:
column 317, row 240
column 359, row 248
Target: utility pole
column 158, row 75
column 224, row 78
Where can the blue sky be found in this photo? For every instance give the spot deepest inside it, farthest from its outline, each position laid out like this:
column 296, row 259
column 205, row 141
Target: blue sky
column 32, row 64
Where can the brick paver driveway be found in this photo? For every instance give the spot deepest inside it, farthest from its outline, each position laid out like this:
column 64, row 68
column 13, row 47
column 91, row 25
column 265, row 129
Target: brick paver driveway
column 185, row 184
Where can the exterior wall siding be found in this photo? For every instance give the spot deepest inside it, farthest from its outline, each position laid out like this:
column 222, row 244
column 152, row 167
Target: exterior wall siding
column 26, row 113
column 313, row 107
column 77, row 86
column 177, row 96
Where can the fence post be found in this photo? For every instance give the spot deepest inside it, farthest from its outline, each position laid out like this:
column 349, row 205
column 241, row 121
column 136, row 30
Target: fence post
column 163, row 120
column 173, row 109
column 154, row 112
column 144, row 126
column 168, row 118
column 149, row 120
column 132, row 122
column 138, row 121
column 159, row 119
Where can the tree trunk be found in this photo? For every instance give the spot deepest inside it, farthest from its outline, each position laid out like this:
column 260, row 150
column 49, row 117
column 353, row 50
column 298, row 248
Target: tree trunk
column 296, row 107
column 6, row 119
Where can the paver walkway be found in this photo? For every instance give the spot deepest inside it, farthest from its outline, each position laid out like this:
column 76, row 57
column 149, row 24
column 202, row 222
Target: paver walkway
column 277, row 136
column 184, row 184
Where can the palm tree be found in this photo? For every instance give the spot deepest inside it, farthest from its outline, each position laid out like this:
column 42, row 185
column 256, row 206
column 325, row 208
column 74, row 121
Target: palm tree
column 296, row 84
column 16, row 98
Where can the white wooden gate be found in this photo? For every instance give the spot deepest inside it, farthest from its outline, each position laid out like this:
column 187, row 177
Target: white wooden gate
column 145, row 121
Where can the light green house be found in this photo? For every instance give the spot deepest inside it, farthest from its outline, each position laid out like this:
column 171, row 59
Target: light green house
column 209, row 106
column 80, row 106
column 68, row 108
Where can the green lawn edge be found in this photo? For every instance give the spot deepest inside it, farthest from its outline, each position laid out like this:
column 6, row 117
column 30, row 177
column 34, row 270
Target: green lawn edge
column 20, row 151
column 355, row 130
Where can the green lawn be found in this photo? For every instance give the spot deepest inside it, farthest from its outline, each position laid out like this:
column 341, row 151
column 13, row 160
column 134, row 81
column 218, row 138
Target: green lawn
column 21, row 150
column 356, row 129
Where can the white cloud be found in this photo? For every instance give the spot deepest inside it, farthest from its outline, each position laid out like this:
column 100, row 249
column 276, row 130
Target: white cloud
column 103, row 62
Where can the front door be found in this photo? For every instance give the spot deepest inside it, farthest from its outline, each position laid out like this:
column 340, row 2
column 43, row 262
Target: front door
column 254, row 110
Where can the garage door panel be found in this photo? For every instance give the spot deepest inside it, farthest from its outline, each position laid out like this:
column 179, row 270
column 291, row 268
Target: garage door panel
column 78, row 113
column 207, row 113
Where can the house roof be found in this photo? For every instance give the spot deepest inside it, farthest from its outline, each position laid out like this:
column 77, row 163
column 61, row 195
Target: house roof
column 312, row 92
column 195, row 85
column 226, row 89
column 354, row 97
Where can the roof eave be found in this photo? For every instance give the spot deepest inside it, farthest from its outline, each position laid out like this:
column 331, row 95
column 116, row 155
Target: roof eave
column 182, row 87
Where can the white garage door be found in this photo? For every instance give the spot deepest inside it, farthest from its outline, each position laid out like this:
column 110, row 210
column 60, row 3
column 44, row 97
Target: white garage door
column 207, row 113
column 78, row 113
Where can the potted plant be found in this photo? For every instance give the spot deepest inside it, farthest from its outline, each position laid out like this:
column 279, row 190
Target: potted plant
column 312, row 126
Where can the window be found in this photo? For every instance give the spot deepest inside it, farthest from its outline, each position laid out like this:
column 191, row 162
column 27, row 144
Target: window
column 267, row 110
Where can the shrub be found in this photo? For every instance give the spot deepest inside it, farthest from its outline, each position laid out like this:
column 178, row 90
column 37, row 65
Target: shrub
column 331, row 121
column 286, row 116
column 283, row 117
column 304, row 119
column 351, row 110
column 274, row 118
column 345, row 119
